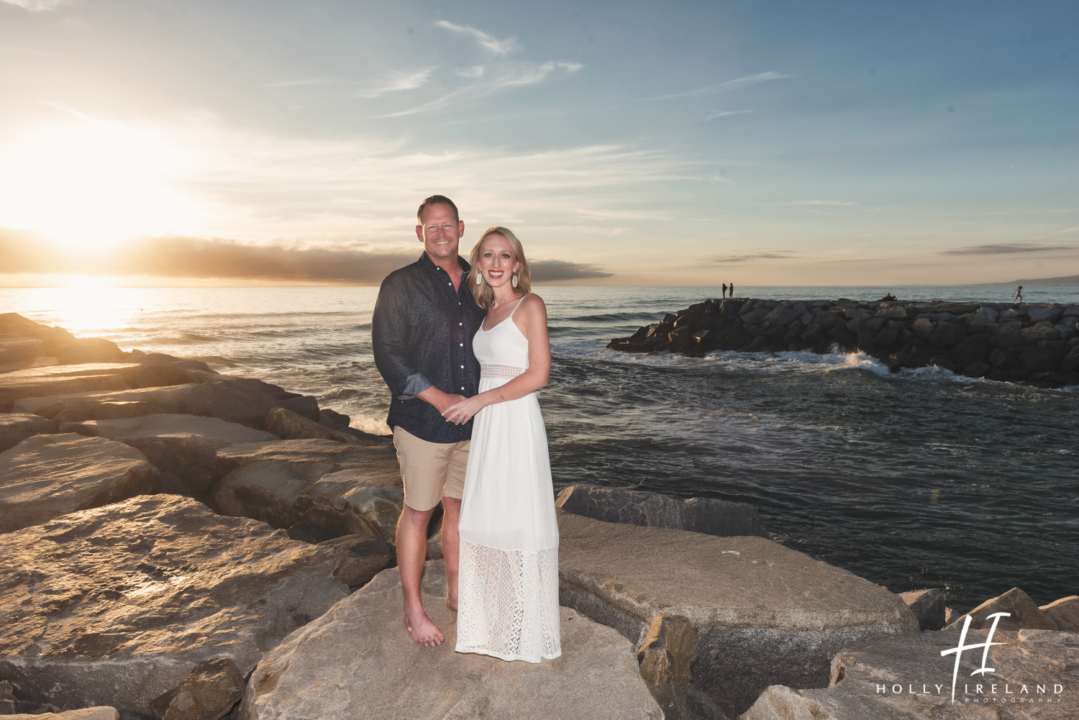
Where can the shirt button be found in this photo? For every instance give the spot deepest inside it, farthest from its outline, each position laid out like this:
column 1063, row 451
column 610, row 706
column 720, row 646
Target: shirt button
column 462, row 344
column 462, row 387
column 462, row 367
column 460, row 323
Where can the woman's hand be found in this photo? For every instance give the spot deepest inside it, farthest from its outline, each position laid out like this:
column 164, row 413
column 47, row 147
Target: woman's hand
column 461, row 412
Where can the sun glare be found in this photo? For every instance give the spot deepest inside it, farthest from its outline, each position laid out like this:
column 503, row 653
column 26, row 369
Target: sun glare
column 90, row 185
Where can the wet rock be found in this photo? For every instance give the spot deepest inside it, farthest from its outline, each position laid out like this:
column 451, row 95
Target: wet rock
column 1045, row 314
column 764, row 614
column 927, row 606
column 208, row 693
column 186, row 445
column 1023, row 614
column 347, row 489
column 288, row 425
column 1064, row 613
column 985, row 315
column 634, row 507
column 16, row 427
column 669, row 651
column 367, row 666
column 907, row 677
column 114, row 606
column 50, row 475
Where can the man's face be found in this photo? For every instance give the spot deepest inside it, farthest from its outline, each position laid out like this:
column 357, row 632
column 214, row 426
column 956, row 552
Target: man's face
column 440, row 233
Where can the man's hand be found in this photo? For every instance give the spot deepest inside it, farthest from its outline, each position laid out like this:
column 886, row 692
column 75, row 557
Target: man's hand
column 461, row 412
column 437, row 398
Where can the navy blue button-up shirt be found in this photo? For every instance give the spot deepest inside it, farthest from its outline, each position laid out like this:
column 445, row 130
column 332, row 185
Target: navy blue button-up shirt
column 422, row 336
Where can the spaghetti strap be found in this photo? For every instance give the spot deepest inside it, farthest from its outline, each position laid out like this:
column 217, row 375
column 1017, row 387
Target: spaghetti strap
column 518, row 304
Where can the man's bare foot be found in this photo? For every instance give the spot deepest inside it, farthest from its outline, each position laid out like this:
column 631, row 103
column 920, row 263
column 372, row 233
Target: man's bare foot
column 451, row 602
column 421, row 628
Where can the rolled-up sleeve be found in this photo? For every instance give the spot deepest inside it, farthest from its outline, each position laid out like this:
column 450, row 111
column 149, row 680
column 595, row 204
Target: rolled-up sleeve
column 389, row 338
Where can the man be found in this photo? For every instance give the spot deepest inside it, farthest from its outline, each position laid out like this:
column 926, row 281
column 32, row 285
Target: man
column 422, row 331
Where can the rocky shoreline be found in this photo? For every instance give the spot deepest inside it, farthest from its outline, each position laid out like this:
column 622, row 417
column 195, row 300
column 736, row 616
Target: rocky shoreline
column 185, row 545
column 1036, row 344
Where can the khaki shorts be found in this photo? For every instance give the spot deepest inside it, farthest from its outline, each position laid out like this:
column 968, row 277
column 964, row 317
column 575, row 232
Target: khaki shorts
column 430, row 470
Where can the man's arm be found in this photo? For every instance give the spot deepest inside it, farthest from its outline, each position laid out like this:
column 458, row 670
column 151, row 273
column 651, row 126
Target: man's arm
column 389, row 340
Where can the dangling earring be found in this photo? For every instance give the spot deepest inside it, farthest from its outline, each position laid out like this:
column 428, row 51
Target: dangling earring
column 479, row 279
column 514, row 281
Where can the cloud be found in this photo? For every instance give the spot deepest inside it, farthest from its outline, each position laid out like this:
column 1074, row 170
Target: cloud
column 741, row 82
column 727, row 113
column 499, row 47
column 828, row 203
column 395, row 81
column 40, row 5
column 172, row 256
column 544, row 271
column 1005, row 249
column 753, row 257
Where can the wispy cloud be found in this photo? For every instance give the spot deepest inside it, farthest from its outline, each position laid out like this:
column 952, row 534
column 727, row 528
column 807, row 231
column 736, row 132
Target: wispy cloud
column 502, row 77
column 40, row 5
column 728, row 85
column 560, row 270
column 820, row 203
column 393, row 81
column 753, row 257
column 726, row 113
column 499, row 47
column 1006, row 249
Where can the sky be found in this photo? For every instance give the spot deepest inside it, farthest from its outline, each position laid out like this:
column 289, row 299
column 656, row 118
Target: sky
column 761, row 143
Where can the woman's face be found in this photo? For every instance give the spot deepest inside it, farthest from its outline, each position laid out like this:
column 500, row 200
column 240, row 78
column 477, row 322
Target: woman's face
column 497, row 262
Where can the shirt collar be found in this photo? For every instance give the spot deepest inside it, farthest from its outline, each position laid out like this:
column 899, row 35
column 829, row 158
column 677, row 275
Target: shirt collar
column 425, row 262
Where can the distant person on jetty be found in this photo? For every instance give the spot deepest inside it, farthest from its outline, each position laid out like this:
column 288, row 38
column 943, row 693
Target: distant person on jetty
column 509, row 530
column 732, row 289
column 724, row 290
column 887, row 298
column 1018, row 295
column 422, row 329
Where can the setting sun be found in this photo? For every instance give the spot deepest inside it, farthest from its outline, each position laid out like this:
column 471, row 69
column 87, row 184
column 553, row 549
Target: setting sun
column 91, row 185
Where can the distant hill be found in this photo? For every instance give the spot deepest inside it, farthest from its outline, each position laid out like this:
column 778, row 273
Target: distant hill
column 1069, row 280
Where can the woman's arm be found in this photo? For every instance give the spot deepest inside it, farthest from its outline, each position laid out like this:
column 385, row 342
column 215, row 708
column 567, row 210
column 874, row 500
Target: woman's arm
column 531, row 318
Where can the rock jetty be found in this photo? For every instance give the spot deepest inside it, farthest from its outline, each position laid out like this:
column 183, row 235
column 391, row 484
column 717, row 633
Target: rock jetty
column 1037, row 344
column 180, row 544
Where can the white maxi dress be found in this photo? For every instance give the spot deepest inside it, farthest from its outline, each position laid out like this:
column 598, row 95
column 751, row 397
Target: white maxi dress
column 508, row 584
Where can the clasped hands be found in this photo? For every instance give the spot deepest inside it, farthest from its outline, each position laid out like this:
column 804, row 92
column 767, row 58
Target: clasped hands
column 463, row 409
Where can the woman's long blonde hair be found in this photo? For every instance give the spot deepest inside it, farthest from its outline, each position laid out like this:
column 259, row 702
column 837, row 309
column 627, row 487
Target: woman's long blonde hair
column 483, row 293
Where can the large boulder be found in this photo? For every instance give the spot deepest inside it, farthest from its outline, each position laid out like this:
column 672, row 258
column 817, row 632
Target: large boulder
column 116, row 605
column 907, row 678
column 186, row 445
column 1022, row 613
column 288, row 425
column 366, row 666
column 927, row 606
column 16, row 427
column 634, row 507
column 16, row 349
column 59, row 380
column 1064, row 612
column 51, row 475
column 764, row 614
column 348, row 489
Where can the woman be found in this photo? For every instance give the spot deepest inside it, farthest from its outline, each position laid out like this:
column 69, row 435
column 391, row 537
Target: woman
column 508, row 585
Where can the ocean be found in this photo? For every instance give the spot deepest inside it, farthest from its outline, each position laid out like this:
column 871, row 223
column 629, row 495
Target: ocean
column 912, row 480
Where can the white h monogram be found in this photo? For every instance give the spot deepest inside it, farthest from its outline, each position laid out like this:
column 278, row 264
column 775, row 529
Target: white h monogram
column 995, row 617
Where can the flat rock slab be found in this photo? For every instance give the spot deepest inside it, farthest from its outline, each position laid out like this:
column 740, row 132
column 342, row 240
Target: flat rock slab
column 364, row 665
column 240, row 400
column 16, row 427
column 94, row 713
column 115, row 606
column 762, row 611
column 50, row 475
column 184, row 444
column 347, row 489
column 60, row 379
column 16, row 349
column 634, row 507
column 906, row 678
